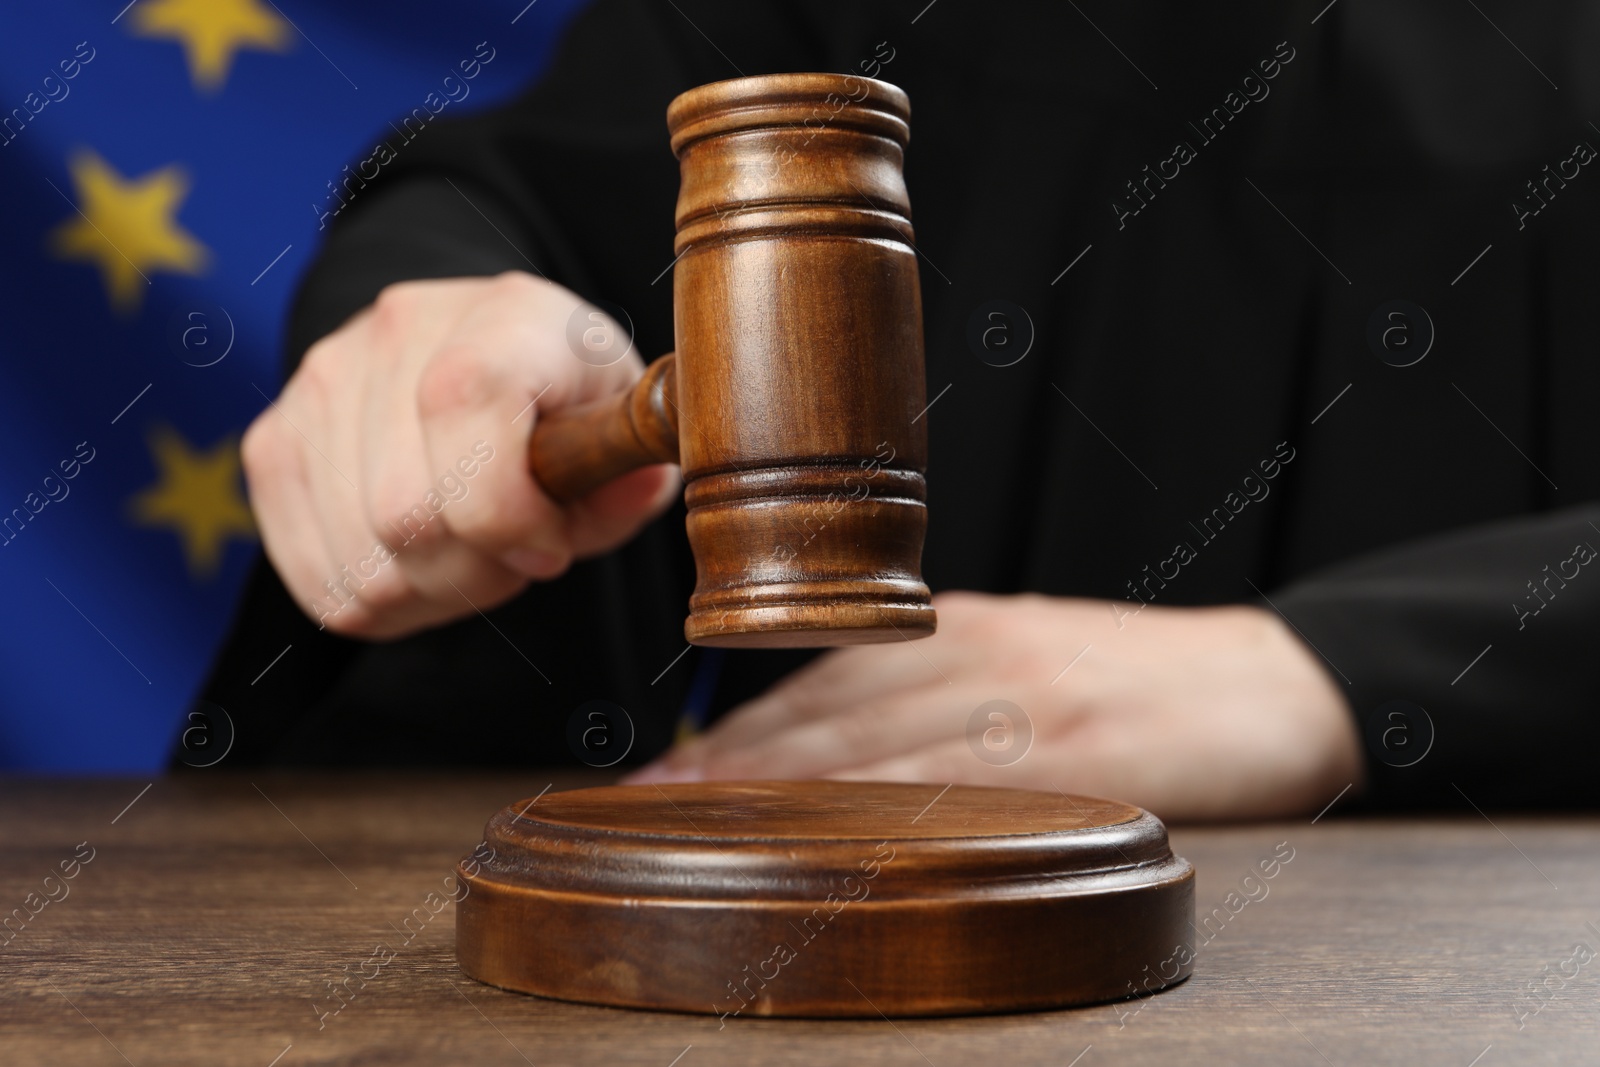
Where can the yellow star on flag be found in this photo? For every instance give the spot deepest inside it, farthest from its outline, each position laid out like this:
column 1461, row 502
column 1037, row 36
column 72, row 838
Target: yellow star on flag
column 198, row 496
column 211, row 31
column 126, row 227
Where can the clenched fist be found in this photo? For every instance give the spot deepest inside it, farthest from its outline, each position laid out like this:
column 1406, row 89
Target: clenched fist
column 390, row 478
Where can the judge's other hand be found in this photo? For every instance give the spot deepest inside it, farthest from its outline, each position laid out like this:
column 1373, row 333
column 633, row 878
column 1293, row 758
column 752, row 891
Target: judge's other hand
column 1192, row 713
column 390, row 478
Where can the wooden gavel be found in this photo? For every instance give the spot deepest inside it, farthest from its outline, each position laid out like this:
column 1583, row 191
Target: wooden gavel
column 795, row 398
column 794, row 404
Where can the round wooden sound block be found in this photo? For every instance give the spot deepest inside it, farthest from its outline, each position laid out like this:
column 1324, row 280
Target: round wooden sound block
column 825, row 899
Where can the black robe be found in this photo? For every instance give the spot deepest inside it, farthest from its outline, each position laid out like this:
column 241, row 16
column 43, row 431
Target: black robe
column 1207, row 215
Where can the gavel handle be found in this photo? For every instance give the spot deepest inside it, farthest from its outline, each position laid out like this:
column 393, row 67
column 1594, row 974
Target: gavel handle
column 575, row 451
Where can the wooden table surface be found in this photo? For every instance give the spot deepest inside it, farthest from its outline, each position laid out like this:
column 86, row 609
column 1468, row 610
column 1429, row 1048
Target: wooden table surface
column 217, row 909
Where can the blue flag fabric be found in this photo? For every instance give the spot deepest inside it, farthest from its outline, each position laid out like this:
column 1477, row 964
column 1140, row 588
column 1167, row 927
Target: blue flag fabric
column 167, row 168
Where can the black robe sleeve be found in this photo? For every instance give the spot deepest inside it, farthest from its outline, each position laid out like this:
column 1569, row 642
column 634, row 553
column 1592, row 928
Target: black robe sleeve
column 1491, row 631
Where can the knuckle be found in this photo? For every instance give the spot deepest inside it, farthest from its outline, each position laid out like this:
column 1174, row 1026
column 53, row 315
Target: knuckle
column 363, row 599
column 396, row 306
column 534, row 317
column 461, row 377
column 260, row 451
column 490, row 523
column 387, row 592
column 519, row 284
column 319, row 368
column 352, row 620
column 402, row 512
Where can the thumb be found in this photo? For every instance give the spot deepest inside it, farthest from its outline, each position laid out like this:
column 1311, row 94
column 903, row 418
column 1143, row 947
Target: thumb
column 617, row 510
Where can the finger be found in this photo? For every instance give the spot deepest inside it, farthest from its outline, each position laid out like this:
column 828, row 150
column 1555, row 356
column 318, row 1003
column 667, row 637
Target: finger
column 831, row 685
column 1083, row 761
column 434, row 574
column 325, row 402
column 323, row 405
column 947, row 762
column 474, row 440
column 475, row 394
column 393, row 335
column 450, row 581
column 281, row 501
column 403, row 564
column 821, row 689
column 613, row 513
column 864, row 733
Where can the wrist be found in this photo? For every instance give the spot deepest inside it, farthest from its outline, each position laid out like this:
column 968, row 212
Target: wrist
column 1311, row 689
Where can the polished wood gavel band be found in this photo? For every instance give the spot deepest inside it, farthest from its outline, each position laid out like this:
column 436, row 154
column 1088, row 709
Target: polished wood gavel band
column 798, row 371
column 575, row 451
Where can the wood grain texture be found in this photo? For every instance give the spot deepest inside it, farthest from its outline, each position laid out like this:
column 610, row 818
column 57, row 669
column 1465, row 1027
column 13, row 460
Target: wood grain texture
column 825, row 899
column 214, row 914
column 795, row 400
column 798, row 322
column 574, row 452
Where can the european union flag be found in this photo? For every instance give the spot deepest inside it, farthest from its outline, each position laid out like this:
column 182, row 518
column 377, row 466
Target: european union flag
column 167, row 168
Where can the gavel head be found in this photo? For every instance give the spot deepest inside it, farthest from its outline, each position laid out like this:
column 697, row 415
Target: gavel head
column 800, row 395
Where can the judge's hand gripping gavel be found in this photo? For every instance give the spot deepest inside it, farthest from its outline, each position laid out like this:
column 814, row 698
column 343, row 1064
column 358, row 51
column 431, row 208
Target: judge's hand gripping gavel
column 382, row 424
column 392, row 477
